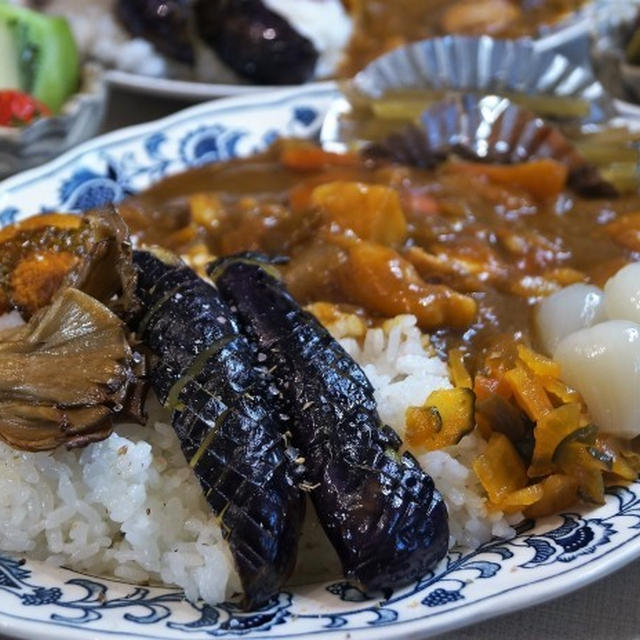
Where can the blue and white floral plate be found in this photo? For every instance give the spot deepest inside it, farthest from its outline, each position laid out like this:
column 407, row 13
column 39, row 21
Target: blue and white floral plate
column 544, row 560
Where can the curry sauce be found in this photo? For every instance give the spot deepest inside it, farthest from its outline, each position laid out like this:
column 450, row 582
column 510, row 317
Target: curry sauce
column 464, row 251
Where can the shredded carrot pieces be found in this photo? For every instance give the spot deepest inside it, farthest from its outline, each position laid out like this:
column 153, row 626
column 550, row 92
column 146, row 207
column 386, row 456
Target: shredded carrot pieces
column 543, row 178
column 558, row 492
column 550, row 431
column 520, row 499
column 459, row 374
column 312, row 159
column 539, row 364
column 529, row 393
column 500, row 469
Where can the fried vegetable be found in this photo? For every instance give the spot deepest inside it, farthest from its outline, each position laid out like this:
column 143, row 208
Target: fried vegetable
column 378, row 508
column 500, row 469
column 459, row 374
column 520, row 499
column 165, row 23
column 550, row 431
column 446, row 416
column 528, row 392
column 625, row 230
column 370, row 211
column 311, row 158
column 91, row 253
column 226, row 419
column 380, row 279
column 574, row 459
column 255, row 42
column 543, row 179
column 558, row 492
column 64, row 375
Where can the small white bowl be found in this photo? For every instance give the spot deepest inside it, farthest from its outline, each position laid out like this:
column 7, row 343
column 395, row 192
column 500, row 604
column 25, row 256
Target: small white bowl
column 80, row 119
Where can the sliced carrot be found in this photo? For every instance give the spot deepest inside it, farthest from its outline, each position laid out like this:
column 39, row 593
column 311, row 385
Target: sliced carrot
column 528, row 392
column 371, row 211
column 543, row 178
column 539, row 364
column 520, row 499
column 485, row 386
column 500, row 468
column 421, row 204
column 558, row 492
column 378, row 278
column 552, row 428
column 559, row 390
column 313, row 158
column 459, row 374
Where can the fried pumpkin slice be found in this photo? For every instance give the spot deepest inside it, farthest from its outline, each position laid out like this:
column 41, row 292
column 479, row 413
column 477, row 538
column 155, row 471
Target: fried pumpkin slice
column 447, row 415
column 40, row 254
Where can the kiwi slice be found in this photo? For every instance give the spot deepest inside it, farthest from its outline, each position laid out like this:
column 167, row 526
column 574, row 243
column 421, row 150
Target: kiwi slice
column 39, row 55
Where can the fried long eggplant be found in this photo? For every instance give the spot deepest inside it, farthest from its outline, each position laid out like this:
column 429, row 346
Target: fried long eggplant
column 379, row 509
column 228, row 426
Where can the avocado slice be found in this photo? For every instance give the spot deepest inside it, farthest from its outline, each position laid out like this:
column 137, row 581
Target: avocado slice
column 39, row 55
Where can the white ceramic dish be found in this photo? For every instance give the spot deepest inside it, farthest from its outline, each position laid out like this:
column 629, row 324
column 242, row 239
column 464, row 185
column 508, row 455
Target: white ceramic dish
column 545, row 559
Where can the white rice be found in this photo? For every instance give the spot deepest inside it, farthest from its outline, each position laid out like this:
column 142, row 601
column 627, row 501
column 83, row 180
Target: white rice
column 127, row 507
column 100, row 37
column 130, row 506
column 404, row 371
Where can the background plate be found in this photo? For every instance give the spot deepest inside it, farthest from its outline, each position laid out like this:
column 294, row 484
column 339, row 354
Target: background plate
column 545, row 559
column 568, row 37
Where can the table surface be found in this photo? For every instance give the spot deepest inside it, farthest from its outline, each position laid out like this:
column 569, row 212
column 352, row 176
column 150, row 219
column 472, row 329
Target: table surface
column 607, row 609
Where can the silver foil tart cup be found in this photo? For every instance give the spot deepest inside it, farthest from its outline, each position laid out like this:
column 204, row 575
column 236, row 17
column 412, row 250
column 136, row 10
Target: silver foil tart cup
column 25, row 147
column 464, row 64
column 613, row 25
column 483, row 64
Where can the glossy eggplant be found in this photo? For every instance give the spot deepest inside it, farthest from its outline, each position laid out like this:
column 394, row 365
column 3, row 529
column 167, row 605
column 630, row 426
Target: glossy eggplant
column 257, row 43
column 225, row 419
column 379, row 509
column 165, row 23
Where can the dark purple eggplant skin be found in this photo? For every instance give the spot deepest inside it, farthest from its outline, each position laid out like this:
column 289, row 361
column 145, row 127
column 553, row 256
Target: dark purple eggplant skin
column 257, row 43
column 165, row 23
column 224, row 416
column 379, row 509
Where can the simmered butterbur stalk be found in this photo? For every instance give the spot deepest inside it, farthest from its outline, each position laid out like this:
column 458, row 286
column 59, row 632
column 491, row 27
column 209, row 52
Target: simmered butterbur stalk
column 64, row 375
column 225, row 416
column 378, row 508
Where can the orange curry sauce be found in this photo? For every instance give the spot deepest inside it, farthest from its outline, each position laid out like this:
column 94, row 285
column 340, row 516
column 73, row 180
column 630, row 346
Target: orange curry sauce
column 467, row 252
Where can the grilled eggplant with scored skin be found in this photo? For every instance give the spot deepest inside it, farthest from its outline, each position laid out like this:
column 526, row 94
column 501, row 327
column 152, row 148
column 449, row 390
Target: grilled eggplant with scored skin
column 165, row 23
column 379, row 509
column 225, row 418
column 257, row 43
